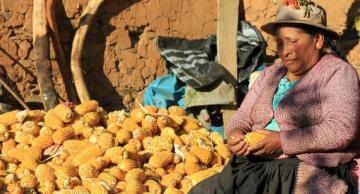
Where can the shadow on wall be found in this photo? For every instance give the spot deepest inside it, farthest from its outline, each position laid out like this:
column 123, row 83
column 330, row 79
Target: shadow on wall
column 350, row 37
column 99, row 86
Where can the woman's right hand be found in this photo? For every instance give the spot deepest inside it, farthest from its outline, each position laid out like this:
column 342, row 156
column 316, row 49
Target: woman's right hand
column 236, row 143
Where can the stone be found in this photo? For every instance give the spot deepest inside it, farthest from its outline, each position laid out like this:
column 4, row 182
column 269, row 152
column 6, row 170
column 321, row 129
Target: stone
column 16, row 20
column 24, row 49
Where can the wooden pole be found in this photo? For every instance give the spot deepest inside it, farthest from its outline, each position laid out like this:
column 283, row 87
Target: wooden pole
column 41, row 48
column 60, row 56
column 86, row 20
column 227, row 26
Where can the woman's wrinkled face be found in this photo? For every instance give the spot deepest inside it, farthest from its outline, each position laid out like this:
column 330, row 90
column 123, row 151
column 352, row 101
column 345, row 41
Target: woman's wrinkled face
column 298, row 50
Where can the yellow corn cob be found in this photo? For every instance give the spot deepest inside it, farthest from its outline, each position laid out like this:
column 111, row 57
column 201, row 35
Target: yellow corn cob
column 74, row 146
column 20, row 154
column 64, row 182
column 15, row 127
column 153, row 186
column 162, row 111
column 47, row 187
column 86, row 154
column 43, row 141
column 147, row 143
column 204, row 155
column 179, row 168
column 121, row 186
column 28, row 181
column 171, row 179
column 129, row 125
column 216, row 138
column 35, row 115
column 15, row 188
column 116, row 154
column 177, row 141
column 8, row 118
column 117, row 173
column 191, row 167
column 127, row 164
column 140, row 133
column 179, row 120
column 2, row 165
column 137, row 174
column 24, row 138
column 223, row 151
column 186, row 185
column 151, row 109
column 116, row 117
column 170, row 168
column 21, row 172
column 189, row 157
column 4, row 133
column 108, row 178
column 166, row 121
column 63, row 134
column 253, row 138
column 176, row 159
column 85, row 107
column 44, row 173
column 137, row 115
column 190, row 124
column 162, row 144
column 99, row 162
column 91, row 118
column 45, row 130
column 10, row 178
column 80, row 190
column 87, row 171
column 106, row 140
column 185, row 138
column 66, row 170
column 168, row 132
column 135, row 187
column 52, row 120
column 176, row 110
column 149, row 122
column 29, row 163
column 113, row 128
column 123, row 136
column 64, row 113
column 133, row 145
column 72, row 191
column 172, row 190
column 201, row 175
column 161, row 159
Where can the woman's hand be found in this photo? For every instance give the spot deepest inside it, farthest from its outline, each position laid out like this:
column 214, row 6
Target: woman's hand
column 269, row 145
column 236, row 143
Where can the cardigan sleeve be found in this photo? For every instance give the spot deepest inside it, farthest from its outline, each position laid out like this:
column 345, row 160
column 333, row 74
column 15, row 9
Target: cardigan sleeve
column 339, row 95
column 241, row 119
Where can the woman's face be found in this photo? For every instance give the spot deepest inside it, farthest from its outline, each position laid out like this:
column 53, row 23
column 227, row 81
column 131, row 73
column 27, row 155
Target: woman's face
column 298, row 50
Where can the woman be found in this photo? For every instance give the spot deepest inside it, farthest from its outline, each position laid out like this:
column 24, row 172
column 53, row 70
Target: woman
column 307, row 108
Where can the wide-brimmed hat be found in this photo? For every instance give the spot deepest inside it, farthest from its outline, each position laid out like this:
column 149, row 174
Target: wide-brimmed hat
column 312, row 15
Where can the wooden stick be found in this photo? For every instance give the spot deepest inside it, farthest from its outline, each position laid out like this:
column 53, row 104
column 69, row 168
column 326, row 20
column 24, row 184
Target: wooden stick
column 77, row 48
column 60, row 56
column 13, row 93
column 41, row 48
column 226, row 44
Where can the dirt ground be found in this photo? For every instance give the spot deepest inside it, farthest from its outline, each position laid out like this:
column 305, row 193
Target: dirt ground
column 121, row 57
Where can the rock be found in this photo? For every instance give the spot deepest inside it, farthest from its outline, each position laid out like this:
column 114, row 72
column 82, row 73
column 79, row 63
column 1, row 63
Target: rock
column 24, row 49
column 16, row 20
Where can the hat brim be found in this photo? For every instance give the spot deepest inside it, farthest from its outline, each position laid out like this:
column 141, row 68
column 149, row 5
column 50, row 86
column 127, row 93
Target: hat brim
column 270, row 27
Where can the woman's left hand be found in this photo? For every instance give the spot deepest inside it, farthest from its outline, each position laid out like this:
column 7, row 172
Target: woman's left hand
column 269, row 145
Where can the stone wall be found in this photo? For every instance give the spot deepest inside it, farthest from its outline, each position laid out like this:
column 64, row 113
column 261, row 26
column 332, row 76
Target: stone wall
column 120, row 57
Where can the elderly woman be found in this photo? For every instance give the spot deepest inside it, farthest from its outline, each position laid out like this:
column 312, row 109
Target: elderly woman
column 308, row 110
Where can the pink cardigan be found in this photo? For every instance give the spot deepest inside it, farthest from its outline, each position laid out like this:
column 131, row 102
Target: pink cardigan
column 319, row 115
column 319, row 118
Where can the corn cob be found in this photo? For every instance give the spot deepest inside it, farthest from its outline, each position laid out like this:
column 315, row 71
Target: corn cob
column 129, row 125
column 223, row 151
column 86, row 154
column 85, row 107
column 172, row 190
column 127, row 164
column 44, row 173
column 8, row 118
column 116, row 154
column 253, row 138
column 4, row 133
column 52, row 120
column 123, row 136
column 63, row 134
column 149, row 122
column 176, row 110
column 136, row 174
column 43, row 141
column 140, row 133
column 108, row 178
column 153, row 186
column 135, row 187
column 64, row 113
column 137, row 115
column 161, row 159
column 106, row 140
column 28, row 181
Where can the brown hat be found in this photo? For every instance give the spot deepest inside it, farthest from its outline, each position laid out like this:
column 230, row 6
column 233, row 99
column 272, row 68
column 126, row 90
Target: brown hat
column 313, row 15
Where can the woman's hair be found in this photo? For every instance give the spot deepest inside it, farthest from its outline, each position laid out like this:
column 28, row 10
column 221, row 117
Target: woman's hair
column 329, row 45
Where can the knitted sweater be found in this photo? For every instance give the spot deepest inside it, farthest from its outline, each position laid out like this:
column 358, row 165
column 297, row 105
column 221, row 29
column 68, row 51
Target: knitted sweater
column 319, row 118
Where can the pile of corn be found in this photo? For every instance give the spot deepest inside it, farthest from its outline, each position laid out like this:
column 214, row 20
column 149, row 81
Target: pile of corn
column 83, row 149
